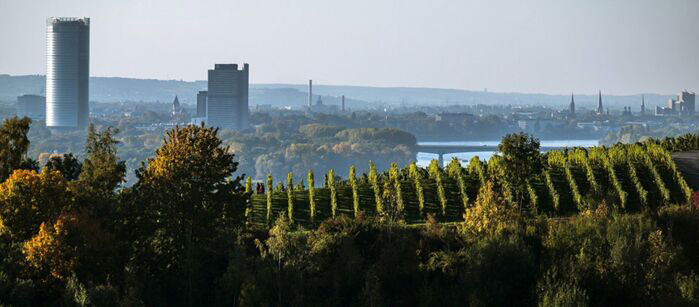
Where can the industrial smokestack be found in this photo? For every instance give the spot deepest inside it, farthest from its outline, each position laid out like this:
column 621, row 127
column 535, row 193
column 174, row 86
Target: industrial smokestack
column 310, row 93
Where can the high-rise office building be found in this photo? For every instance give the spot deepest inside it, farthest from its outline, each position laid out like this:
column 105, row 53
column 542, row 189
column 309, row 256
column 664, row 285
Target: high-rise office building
column 201, row 104
column 227, row 97
column 687, row 100
column 67, row 72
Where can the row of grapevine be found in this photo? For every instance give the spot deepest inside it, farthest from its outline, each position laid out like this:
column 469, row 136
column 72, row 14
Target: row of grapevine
column 634, row 177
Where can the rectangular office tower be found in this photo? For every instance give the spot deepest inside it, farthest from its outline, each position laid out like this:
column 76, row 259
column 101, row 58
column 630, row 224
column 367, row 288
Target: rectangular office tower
column 67, row 72
column 227, row 97
column 687, row 100
column 201, row 104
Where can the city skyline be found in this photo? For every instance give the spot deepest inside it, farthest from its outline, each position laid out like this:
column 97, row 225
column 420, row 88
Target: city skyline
column 623, row 47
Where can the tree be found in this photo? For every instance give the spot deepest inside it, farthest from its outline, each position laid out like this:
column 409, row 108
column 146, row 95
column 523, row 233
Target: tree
column 73, row 244
column 102, row 172
column 188, row 201
column 28, row 199
column 521, row 159
column 14, row 144
column 67, row 164
column 489, row 215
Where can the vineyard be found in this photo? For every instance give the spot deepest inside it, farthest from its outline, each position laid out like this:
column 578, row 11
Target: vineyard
column 627, row 178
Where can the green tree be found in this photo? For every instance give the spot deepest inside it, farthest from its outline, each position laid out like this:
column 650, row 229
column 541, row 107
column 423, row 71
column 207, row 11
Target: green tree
column 14, row 144
column 102, row 172
column 521, row 159
column 67, row 164
column 189, row 205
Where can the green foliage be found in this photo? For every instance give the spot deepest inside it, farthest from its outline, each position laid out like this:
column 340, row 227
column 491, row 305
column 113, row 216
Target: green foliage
column 521, row 160
column 290, row 195
column 183, row 205
column 395, row 179
column 311, row 195
column 436, row 175
column 533, row 198
column 374, row 181
column 178, row 236
column 599, row 156
column 556, row 159
column 355, row 192
column 417, row 180
column 269, row 198
column 102, row 172
column 248, row 184
column 556, row 198
column 455, row 171
column 67, row 164
column 333, row 192
column 13, row 146
column 315, row 131
column 390, row 136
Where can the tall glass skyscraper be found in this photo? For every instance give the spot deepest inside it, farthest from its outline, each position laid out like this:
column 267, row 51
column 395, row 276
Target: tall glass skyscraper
column 67, row 72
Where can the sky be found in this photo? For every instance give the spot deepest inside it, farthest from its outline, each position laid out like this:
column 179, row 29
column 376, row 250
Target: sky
column 534, row 46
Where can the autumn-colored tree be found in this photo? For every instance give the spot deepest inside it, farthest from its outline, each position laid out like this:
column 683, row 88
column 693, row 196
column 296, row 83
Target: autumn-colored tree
column 74, row 244
column 490, row 215
column 187, row 198
column 28, row 199
column 14, row 144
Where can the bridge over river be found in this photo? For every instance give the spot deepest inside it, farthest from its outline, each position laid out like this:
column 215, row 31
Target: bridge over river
column 442, row 148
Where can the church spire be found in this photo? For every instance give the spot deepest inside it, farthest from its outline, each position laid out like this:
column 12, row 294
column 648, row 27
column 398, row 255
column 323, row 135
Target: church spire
column 643, row 104
column 600, row 109
column 572, row 105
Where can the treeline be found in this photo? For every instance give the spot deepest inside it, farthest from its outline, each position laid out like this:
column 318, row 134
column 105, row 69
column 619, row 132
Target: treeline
column 191, row 232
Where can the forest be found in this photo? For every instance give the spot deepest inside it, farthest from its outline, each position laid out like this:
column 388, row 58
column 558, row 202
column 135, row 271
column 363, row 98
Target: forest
column 603, row 226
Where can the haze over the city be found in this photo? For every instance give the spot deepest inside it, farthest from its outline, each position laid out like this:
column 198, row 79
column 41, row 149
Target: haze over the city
column 622, row 47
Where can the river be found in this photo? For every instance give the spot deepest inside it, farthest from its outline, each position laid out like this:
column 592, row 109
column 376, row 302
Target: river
column 423, row 159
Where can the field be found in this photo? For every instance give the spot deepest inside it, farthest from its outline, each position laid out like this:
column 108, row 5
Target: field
column 627, row 178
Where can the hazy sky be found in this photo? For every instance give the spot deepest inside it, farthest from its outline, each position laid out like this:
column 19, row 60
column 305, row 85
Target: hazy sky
column 556, row 46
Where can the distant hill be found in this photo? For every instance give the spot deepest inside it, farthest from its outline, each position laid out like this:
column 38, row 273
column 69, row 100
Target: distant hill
column 108, row 89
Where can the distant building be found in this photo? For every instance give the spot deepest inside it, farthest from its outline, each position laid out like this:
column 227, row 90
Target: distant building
column 627, row 112
column 455, row 118
column 32, row 106
column 201, row 104
column 227, row 97
column 67, row 72
column 683, row 105
column 600, row 108
column 538, row 125
column 687, row 100
column 176, row 108
column 643, row 105
column 571, row 108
